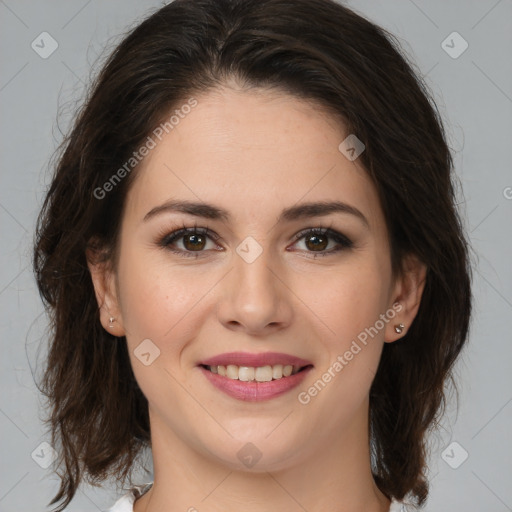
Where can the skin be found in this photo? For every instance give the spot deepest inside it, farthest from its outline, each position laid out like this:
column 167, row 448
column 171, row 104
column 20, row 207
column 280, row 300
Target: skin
column 255, row 153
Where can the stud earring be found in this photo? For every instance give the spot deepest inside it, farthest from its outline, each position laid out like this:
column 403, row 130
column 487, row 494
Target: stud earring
column 399, row 328
column 111, row 320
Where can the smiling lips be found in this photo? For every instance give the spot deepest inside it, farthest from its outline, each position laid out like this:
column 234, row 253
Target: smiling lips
column 255, row 377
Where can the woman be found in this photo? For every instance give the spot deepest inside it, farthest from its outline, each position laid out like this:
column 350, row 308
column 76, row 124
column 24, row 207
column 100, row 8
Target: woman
column 253, row 264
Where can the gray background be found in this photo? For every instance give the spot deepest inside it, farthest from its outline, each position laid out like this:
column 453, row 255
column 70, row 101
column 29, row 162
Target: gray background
column 474, row 94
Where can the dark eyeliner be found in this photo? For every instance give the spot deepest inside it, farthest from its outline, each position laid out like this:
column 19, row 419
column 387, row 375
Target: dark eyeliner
column 342, row 240
column 165, row 239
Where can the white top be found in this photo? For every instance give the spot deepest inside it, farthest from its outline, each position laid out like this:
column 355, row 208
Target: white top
column 125, row 503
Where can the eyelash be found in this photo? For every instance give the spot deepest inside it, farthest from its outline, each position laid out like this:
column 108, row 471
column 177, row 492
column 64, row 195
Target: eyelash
column 166, row 239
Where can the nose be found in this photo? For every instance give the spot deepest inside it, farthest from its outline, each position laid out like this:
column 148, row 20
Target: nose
column 255, row 297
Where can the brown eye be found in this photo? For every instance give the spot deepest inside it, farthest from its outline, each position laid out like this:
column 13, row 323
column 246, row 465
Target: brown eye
column 194, row 242
column 189, row 242
column 316, row 242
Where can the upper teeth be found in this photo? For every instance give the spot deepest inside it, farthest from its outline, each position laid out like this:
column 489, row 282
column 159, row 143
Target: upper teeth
column 259, row 374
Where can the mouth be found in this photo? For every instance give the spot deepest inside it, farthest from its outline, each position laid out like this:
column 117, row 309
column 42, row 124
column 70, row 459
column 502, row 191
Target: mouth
column 265, row 373
column 255, row 377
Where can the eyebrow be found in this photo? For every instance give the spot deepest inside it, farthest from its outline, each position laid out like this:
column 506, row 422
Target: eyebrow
column 297, row 212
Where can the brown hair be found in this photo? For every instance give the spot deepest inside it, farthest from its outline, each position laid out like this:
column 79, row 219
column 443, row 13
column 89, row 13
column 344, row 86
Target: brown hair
column 319, row 51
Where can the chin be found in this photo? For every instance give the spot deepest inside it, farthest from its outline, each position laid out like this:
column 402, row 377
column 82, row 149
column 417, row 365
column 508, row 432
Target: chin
column 258, row 454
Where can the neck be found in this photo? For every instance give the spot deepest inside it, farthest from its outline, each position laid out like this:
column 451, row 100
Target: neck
column 334, row 475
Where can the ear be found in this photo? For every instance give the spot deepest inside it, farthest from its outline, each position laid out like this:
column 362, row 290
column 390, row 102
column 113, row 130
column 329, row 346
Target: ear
column 104, row 282
column 407, row 293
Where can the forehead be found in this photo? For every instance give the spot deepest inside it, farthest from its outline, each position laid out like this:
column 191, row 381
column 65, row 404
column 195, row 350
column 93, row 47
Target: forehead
column 253, row 152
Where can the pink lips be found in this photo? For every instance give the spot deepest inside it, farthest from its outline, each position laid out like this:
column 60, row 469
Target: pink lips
column 255, row 391
column 255, row 360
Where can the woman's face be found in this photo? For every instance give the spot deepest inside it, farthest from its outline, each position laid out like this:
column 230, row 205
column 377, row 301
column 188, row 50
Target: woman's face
column 259, row 282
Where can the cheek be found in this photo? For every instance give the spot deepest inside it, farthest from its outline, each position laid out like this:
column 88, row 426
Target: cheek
column 160, row 304
column 157, row 301
column 349, row 348
column 348, row 302
column 350, row 336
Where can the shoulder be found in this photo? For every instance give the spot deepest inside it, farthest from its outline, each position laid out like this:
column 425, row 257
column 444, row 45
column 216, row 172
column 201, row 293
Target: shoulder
column 401, row 506
column 125, row 502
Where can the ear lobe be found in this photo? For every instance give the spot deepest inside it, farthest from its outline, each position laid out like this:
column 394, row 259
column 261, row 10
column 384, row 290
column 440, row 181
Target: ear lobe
column 104, row 282
column 408, row 291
